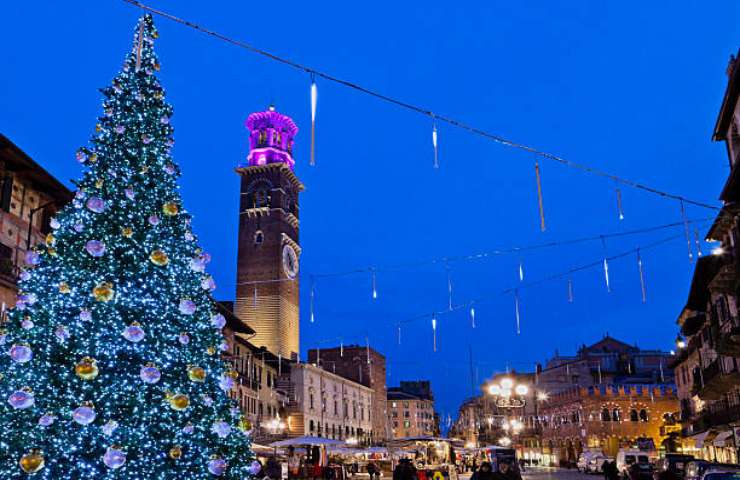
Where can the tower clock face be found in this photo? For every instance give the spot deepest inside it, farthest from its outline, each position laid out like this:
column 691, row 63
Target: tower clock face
column 290, row 261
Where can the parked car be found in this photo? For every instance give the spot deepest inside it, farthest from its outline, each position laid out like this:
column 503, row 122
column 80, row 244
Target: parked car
column 672, row 466
column 722, row 473
column 642, row 469
column 696, row 469
column 590, row 461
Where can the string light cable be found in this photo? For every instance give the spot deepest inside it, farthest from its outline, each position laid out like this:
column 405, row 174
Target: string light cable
column 436, row 118
column 550, row 278
column 508, row 250
column 516, row 250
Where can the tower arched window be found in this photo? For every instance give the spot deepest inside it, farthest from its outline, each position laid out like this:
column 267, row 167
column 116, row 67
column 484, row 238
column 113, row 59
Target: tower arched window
column 643, row 415
column 616, row 416
column 605, row 416
column 259, row 238
column 258, row 193
column 262, row 139
column 633, row 415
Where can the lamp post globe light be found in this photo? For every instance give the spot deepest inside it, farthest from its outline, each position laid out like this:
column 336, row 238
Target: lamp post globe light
column 508, row 394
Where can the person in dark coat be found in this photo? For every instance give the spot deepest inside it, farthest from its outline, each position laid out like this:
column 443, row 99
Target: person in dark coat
column 273, row 469
column 485, row 472
column 507, row 470
column 405, row 470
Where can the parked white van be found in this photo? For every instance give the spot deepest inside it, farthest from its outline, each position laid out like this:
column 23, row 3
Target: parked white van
column 625, row 459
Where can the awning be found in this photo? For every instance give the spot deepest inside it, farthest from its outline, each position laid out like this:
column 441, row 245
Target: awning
column 721, row 440
column 703, row 438
column 301, row 441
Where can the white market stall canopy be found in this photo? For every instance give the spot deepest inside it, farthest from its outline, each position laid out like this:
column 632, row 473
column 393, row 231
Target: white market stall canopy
column 303, row 441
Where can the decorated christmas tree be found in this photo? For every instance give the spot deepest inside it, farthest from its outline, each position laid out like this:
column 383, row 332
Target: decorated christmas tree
column 113, row 364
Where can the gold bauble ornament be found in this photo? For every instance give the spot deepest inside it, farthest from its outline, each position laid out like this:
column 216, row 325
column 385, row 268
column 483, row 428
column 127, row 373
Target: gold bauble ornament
column 231, row 373
column 197, row 374
column 211, row 351
column 159, row 258
column 87, row 368
column 244, row 424
column 52, row 251
column 99, row 183
column 179, row 402
column 50, row 240
column 103, row 292
column 176, row 452
column 64, row 287
column 127, row 232
column 32, row 462
column 170, row 209
column 98, row 127
column 92, row 158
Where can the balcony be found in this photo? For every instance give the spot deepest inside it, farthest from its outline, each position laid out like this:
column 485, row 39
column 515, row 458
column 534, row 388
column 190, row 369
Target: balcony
column 728, row 342
column 715, row 381
column 693, row 324
column 719, row 416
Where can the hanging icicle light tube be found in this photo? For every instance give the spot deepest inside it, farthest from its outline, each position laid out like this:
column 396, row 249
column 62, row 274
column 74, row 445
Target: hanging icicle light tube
column 434, row 332
column 434, row 142
column 375, row 284
column 642, row 277
column 314, row 100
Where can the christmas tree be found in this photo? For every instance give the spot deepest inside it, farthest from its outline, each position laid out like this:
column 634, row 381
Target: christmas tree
column 113, row 367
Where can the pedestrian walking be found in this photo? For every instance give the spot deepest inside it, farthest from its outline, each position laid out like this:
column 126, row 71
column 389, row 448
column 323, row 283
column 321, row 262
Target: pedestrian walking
column 273, row 469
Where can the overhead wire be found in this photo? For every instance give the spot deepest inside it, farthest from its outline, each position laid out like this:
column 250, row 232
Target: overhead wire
column 436, row 117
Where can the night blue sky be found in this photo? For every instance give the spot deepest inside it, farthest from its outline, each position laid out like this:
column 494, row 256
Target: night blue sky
column 629, row 87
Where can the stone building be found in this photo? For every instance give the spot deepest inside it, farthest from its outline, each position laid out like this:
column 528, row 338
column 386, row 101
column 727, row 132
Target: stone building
column 707, row 366
column 469, row 420
column 256, row 393
column 606, row 418
column 28, row 195
column 607, row 361
column 323, row 404
column 410, row 409
column 363, row 365
column 555, row 418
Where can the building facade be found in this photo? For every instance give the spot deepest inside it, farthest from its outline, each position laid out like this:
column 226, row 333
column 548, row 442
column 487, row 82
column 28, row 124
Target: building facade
column 256, row 392
column 606, row 418
column 268, row 255
column 707, row 366
column 323, row 404
column 365, row 366
column 410, row 408
column 556, row 419
column 29, row 197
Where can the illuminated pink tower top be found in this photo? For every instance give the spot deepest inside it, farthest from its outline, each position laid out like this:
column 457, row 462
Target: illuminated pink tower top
column 270, row 138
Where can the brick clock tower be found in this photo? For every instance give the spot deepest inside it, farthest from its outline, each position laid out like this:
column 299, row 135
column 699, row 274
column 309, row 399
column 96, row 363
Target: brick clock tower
column 269, row 252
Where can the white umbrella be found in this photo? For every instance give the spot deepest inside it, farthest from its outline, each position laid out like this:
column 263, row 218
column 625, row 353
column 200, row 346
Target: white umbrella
column 301, row 441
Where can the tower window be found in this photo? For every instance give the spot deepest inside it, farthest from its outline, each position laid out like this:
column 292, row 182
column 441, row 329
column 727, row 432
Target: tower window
column 259, row 238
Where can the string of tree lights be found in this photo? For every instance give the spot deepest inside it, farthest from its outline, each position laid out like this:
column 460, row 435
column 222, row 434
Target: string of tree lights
column 436, row 119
